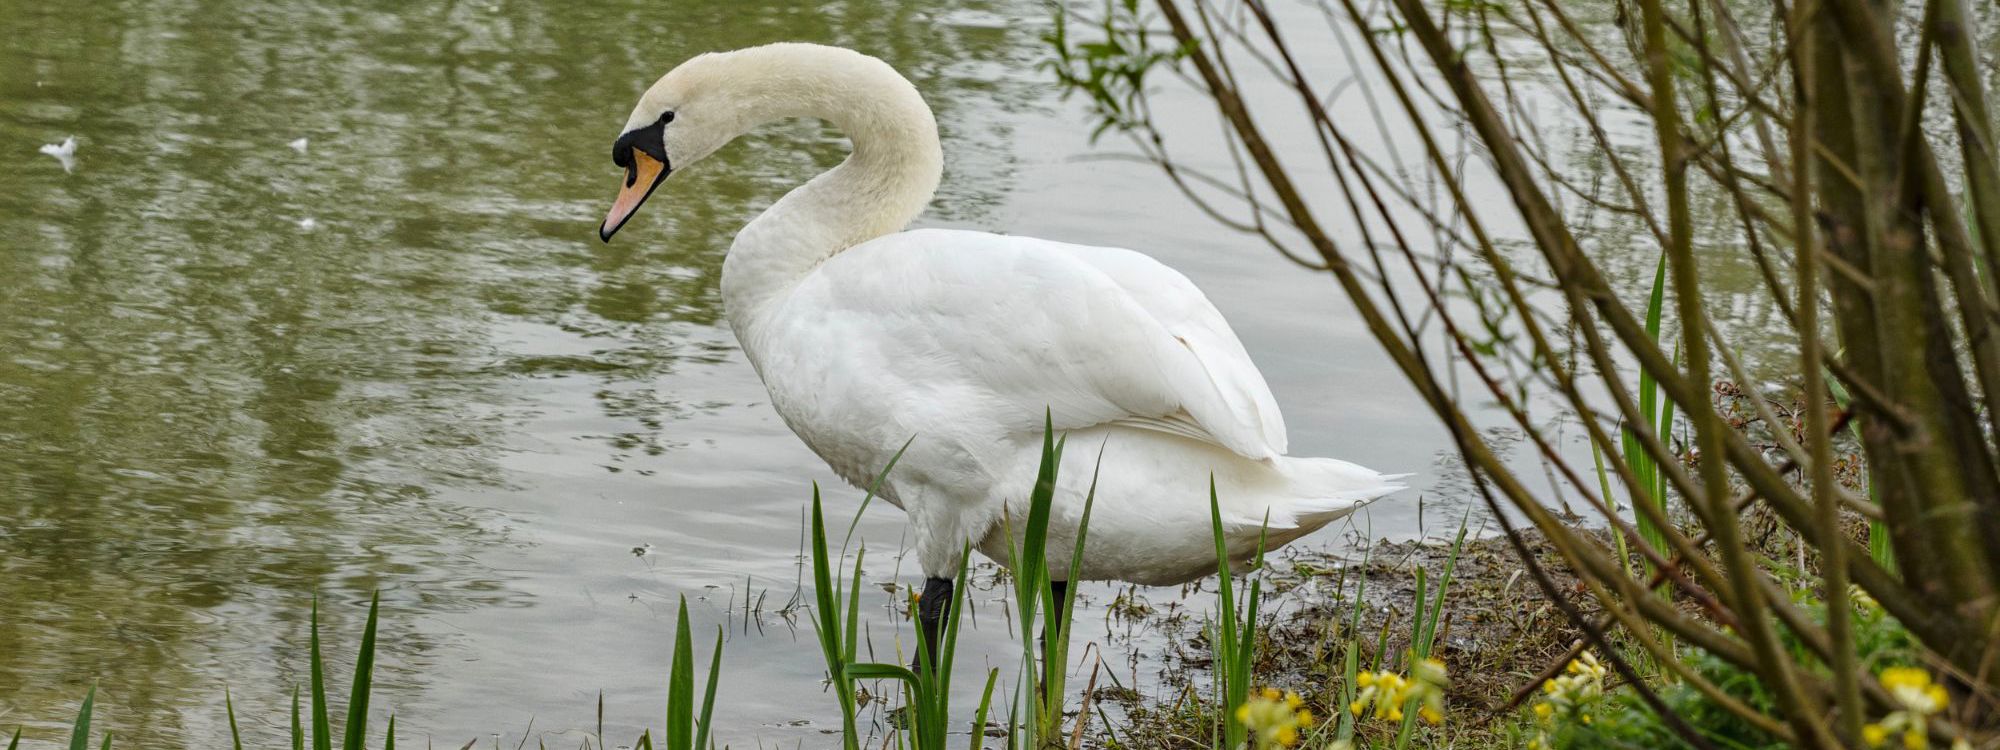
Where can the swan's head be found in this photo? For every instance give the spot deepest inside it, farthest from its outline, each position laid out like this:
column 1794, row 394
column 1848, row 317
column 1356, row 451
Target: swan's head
column 687, row 115
column 704, row 103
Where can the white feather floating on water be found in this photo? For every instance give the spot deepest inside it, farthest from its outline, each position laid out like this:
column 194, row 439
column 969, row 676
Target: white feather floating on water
column 308, row 224
column 64, row 152
column 298, row 145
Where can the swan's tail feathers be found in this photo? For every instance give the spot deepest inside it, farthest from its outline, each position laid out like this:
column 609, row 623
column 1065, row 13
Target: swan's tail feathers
column 1324, row 490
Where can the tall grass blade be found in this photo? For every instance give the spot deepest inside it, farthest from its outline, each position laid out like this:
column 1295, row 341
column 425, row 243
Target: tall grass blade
column 708, row 695
column 679, row 733
column 364, row 674
column 79, row 733
column 933, row 689
column 298, row 731
column 827, row 623
column 1428, row 638
column 1039, row 597
column 1878, row 532
column 15, row 744
column 1644, row 469
column 229, row 707
column 853, row 631
column 322, row 732
column 1230, row 666
column 1060, row 613
column 874, row 489
column 389, row 742
column 978, row 717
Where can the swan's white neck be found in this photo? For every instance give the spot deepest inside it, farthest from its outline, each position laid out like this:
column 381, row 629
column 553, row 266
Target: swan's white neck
column 882, row 185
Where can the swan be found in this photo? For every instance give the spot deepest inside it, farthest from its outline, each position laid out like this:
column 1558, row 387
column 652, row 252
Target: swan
column 867, row 335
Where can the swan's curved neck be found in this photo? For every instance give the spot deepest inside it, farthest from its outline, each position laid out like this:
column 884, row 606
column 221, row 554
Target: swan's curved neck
column 882, row 185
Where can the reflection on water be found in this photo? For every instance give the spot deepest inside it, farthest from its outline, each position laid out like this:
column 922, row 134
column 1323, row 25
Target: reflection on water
column 233, row 373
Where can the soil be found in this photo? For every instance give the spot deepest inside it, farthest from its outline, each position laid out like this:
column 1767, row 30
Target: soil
column 1499, row 633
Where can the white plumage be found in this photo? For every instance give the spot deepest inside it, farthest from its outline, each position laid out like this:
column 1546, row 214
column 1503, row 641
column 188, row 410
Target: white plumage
column 867, row 336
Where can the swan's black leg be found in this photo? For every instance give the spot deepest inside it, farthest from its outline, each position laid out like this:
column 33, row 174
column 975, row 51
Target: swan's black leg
column 930, row 620
column 1051, row 621
column 1052, row 625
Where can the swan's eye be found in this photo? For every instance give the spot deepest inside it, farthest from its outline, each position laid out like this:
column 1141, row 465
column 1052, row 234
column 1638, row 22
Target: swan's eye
column 649, row 140
column 666, row 117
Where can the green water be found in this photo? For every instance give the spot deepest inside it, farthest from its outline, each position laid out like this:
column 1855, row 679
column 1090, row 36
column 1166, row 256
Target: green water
column 235, row 375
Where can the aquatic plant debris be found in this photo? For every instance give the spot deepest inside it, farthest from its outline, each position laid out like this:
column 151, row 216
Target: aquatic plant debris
column 64, row 152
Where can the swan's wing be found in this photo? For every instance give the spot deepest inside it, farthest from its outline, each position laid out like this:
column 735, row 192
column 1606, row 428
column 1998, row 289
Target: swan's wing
column 1181, row 308
column 1094, row 335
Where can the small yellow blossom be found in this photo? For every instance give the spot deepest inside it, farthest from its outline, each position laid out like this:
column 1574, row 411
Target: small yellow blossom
column 1917, row 698
column 1274, row 718
column 1875, row 734
column 1390, row 692
column 1570, row 696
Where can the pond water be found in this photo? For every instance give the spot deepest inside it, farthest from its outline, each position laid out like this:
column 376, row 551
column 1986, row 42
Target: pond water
column 237, row 373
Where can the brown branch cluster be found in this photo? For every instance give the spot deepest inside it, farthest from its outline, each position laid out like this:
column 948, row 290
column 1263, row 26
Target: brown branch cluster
column 1840, row 152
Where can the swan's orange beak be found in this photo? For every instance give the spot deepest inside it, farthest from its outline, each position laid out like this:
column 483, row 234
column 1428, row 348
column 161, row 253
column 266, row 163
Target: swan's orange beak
column 644, row 174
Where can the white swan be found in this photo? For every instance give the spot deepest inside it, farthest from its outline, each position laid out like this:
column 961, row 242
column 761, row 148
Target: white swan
column 867, row 335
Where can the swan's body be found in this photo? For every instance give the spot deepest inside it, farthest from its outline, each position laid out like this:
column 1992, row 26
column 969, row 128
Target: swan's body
column 867, row 336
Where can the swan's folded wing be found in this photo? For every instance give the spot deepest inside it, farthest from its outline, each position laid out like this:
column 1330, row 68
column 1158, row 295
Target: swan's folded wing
column 1094, row 335
column 1181, row 308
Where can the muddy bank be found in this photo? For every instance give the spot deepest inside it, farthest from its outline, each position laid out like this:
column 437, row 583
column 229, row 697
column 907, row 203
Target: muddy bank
column 1498, row 632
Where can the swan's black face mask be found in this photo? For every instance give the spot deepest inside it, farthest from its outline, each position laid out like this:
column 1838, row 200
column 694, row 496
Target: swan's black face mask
column 642, row 153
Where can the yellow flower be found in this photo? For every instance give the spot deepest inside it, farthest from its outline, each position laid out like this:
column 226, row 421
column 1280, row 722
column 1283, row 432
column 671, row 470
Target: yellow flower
column 1916, row 698
column 1572, row 695
column 1913, row 690
column 1431, row 671
column 1274, row 718
column 1391, row 692
column 1895, row 677
column 1875, row 734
